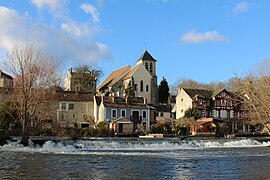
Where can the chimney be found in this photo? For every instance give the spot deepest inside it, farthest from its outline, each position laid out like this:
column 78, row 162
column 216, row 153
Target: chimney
column 70, row 70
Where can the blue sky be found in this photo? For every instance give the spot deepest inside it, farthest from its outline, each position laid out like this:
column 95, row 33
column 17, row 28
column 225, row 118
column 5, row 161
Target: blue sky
column 204, row 40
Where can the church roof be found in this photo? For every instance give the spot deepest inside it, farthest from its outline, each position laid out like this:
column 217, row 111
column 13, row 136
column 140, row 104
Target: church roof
column 114, row 77
column 147, row 57
column 132, row 71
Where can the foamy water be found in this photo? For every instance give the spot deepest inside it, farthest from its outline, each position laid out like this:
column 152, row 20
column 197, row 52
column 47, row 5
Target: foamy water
column 138, row 159
column 131, row 147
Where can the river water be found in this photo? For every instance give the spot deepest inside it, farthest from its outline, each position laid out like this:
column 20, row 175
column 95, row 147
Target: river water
column 126, row 158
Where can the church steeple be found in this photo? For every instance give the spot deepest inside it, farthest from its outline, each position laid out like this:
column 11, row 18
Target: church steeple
column 149, row 62
column 146, row 57
column 150, row 65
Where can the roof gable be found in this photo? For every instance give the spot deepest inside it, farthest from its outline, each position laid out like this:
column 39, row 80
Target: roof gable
column 146, row 57
column 138, row 68
column 4, row 75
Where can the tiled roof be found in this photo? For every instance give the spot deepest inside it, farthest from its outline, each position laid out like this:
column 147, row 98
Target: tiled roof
column 216, row 92
column 118, row 102
column 132, row 71
column 163, row 108
column 70, row 96
column 199, row 92
column 4, row 75
column 146, row 56
column 115, row 76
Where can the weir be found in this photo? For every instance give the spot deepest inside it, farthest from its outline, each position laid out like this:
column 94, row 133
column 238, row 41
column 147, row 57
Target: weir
column 129, row 146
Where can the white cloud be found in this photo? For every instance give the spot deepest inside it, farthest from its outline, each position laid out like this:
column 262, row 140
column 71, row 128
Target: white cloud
column 57, row 41
column 90, row 9
column 197, row 37
column 241, row 7
column 79, row 29
column 54, row 6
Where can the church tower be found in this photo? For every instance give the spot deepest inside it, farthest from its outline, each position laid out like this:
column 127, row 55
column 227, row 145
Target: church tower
column 150, row 65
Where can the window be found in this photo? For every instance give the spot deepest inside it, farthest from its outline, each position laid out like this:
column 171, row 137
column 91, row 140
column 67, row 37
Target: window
column 228, row 114
column 151, row 67
column 84, row 125
column 135, row 87
column 141, row 85
column 123, row 113
column 113, row 113
column 146, row 66
column 146, row 88
column 182, row 110
column 64, row 106
column 182, row 99
column 74, row 116
column 71, row 106
column 144, row 114
column 157, row 114
column 217, row 102
column 161, row 114
column 85, row 117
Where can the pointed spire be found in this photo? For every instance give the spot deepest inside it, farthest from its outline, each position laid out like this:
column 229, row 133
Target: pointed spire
column 147, row 57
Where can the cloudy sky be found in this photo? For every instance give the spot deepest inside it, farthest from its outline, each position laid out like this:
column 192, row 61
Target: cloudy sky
column 205, row 40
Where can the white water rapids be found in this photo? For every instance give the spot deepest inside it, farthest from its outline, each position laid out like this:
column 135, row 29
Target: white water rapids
column 132, row 146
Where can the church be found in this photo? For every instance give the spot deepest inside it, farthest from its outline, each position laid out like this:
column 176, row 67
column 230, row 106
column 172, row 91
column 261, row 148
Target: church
column 137, row 81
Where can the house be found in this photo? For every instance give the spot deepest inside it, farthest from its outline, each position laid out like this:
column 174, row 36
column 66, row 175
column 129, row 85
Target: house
column 141, row 80
column 122, row 126
column 69, row 109
column 164, row 113
column 75, row 109
column 123, row 112
column 83, row 81
column 6, row 81
column 6, row 86
column 220, row 107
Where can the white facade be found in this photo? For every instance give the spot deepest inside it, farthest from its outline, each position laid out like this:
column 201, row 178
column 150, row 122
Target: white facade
column 142, row 81
column 183, row 102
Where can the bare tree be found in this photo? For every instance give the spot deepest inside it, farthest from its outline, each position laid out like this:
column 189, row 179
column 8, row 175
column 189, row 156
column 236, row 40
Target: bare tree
column 192, row 84
column 34, row 74
column 255, row 90
column 85, row 78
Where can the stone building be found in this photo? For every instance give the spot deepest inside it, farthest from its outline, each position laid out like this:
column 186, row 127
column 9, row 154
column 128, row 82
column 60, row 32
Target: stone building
column 83, row 81
column 6, row 81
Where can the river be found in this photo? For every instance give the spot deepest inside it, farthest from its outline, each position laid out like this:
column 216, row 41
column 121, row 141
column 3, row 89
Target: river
column 127, row 158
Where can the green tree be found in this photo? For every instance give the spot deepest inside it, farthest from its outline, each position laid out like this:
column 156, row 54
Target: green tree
column 191, row 113
column 163, row 91
column 129, row 90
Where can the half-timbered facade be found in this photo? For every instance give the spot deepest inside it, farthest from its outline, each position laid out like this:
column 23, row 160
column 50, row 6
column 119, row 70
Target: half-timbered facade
column 220, row 107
